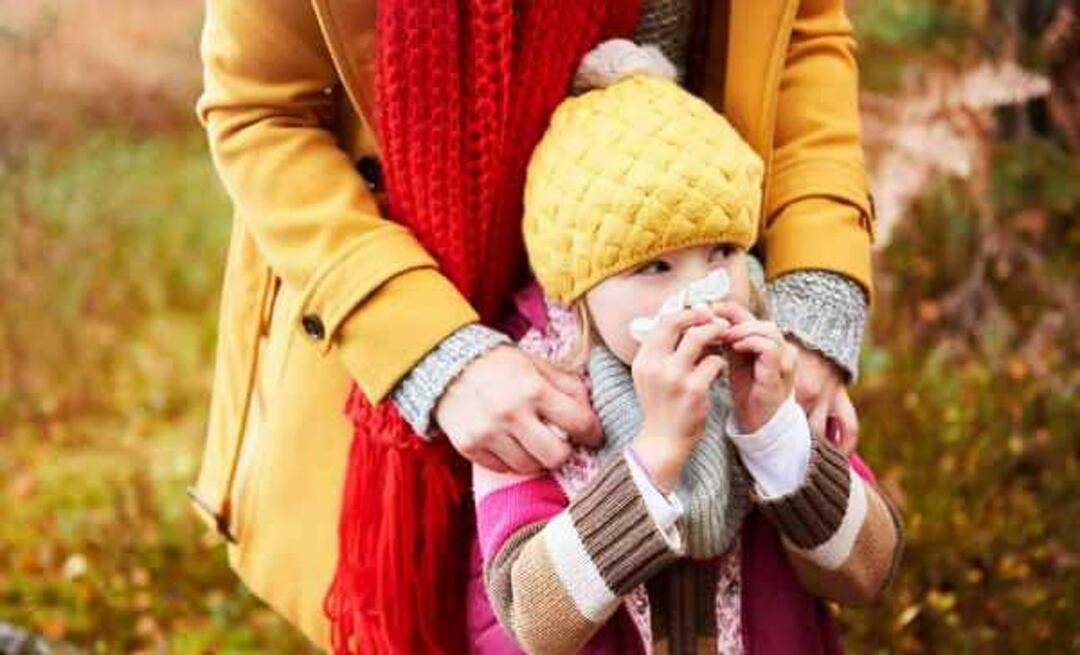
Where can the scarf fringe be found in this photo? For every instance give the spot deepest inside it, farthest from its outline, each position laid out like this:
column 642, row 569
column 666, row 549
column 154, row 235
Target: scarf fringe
column 407, row 535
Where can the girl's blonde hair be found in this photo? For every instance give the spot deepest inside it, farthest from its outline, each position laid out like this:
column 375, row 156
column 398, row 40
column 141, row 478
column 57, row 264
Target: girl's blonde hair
column 577, row 357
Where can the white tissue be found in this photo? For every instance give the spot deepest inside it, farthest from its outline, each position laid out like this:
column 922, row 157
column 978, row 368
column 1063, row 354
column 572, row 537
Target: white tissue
column 698, row 294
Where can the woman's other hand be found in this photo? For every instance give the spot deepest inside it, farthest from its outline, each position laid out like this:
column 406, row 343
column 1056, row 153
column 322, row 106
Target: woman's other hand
column 820, row 389
column 512, row 412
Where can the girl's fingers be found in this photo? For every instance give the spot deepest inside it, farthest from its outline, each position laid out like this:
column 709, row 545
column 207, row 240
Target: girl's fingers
column 809, row 383
column 770, row 363
column 733, row 312
column 666, row 335
column 789, row 359
column 767, row 369
column 695, row 341
column 755, row 343
column 707, row 370
column 766, row 329
column 778, row 362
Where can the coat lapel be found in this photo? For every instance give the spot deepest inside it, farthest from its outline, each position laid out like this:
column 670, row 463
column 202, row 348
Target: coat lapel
column 750, row 38
column 348, row 26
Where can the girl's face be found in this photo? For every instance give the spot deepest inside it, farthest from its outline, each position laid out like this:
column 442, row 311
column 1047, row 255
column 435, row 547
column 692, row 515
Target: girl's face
column 641, row 290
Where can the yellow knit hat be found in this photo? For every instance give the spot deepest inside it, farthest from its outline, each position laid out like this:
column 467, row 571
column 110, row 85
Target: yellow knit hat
column 630, row 171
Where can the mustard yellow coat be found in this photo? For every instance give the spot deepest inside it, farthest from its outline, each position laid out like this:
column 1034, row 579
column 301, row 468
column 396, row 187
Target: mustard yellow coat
column 320, row 289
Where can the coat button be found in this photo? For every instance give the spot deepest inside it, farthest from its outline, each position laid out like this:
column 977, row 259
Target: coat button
column 371, row 170
column 313, row 326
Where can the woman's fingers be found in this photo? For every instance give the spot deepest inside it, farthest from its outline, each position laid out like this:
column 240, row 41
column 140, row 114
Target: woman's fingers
column 546, row 445
column 574, row 418
column 568, row 383
column 817, row 417
column 514, row 454
column 848, row 418
column 490, row 461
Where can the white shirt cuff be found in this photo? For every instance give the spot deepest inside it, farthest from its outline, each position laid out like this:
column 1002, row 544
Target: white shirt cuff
column 665, row 509
column 778, row 453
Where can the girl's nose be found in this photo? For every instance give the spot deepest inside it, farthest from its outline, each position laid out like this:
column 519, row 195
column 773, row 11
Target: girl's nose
column 693, row 270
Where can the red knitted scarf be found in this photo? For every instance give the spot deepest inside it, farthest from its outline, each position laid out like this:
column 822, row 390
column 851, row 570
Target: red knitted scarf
column 464, row 91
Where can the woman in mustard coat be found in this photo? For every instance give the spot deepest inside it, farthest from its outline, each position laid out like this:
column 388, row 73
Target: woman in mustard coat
column 321, row 290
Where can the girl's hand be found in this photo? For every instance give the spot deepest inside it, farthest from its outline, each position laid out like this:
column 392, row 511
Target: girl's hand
column 761, row 366
column 672, row 372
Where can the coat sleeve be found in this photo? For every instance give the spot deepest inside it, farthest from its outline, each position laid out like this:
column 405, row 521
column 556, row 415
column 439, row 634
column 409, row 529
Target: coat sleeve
column 555, row 570
column 841, row 534
column 267, row 106
column 818, row 207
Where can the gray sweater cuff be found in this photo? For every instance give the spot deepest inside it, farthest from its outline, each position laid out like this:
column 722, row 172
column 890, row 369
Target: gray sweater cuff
column 825, row 311
column 419, row 391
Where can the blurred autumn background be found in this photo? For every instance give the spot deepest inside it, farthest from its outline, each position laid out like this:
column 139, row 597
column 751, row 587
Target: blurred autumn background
column 112, row 236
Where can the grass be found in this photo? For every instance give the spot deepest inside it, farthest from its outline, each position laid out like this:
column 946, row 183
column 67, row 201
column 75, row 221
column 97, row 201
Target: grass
column 115, row 248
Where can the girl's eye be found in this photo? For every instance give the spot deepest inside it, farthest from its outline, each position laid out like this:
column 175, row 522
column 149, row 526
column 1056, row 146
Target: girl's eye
column 722, row 251
column 654, row 267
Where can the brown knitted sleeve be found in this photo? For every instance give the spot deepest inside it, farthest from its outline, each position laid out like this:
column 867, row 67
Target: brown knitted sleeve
column 842, row 535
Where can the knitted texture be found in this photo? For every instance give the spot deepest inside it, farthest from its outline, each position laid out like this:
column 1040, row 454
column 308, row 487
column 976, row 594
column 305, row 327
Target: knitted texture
column 556, row 569
column 628, row 172
column 713, row 488
column 418, row 393
column 619, row 59
column 825, row 311
column 463, row 92
column 667, row 25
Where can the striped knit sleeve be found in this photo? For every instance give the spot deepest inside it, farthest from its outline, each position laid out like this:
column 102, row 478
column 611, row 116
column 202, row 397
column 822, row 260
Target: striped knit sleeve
column 843, row 537
column 555, row 570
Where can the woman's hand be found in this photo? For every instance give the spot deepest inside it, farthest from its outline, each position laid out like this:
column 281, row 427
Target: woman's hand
column 820, row 389
column 673, row 370
column 761, row 366
column 509, row 411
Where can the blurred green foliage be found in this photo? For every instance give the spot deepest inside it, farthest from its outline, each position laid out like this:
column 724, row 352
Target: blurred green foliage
column 112, row 237
column 977, row 437
column 112, row 250
column 969, row 398
column 111, row 260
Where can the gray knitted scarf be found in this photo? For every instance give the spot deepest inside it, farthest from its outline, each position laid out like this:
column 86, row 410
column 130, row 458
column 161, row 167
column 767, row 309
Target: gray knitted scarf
column 713, row 489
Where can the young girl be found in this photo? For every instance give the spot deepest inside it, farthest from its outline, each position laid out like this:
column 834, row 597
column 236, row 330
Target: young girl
column 641, row 197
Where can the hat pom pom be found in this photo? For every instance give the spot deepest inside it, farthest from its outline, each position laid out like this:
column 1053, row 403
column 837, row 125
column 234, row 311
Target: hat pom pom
column 617, row 59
